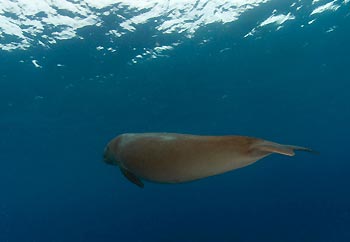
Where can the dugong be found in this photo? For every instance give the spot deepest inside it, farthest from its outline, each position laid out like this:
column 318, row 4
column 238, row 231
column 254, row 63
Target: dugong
column 177, row 158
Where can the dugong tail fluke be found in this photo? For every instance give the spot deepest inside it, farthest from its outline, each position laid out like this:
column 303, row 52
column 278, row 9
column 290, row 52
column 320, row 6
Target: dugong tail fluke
column 281, row 149
column 176, row 158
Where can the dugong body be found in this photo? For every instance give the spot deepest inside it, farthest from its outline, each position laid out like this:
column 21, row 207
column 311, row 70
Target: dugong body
column 176, row 158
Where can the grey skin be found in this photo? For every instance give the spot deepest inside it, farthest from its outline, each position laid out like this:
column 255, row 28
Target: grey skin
column 177, row 158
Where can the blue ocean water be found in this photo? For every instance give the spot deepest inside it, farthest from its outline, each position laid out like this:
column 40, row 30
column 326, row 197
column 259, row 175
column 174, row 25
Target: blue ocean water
column 277, row 71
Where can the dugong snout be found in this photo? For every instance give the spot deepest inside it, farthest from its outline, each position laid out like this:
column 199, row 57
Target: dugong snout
column 107, row 156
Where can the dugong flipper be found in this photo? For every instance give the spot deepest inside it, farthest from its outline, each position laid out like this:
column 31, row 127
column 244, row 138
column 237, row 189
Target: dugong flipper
column 131, row 177
column 175, row 158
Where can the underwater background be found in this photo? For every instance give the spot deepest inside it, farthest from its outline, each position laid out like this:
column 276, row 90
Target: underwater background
column 74, row 74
